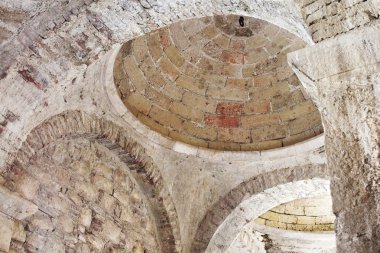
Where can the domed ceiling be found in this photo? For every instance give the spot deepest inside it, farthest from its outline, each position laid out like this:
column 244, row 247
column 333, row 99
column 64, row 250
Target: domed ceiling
column 218, row 82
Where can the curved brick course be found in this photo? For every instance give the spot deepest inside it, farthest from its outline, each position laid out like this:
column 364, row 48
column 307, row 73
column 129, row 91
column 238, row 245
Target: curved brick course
column 212, row 83
column 311, row 214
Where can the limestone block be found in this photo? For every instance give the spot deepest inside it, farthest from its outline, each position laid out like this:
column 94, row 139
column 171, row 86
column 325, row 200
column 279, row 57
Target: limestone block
column 19, row 233
column 36, row 240
column 66, row 223
column 103, row 183
column 297, row 210
column 270, row 216
column 15, row 206
column 306, row 220
column 286, row 218
column 109, row 203
column 27, row 186
column 111, row 231
column 53, row 245
column 42, row 222
column 82, row 168
column 138, row 248
column 260, row 221
column 96, row 242
column 6, row 230
column 86, row 217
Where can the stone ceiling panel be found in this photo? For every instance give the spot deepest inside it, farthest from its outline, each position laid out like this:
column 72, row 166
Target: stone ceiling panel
column 217, row 82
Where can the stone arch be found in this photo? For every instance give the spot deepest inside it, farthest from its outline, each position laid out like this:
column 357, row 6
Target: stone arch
column 76, row 124
column 230, row 202
column 252, row 207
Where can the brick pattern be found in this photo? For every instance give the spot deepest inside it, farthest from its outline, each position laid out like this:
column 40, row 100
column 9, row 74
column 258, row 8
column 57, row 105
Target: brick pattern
column 87, row 201
column 104, row 142
column 313, row 215
column 328, row 18
column 222, row 78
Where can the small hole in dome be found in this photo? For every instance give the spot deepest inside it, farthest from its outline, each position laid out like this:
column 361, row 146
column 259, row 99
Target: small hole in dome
column 241, row 21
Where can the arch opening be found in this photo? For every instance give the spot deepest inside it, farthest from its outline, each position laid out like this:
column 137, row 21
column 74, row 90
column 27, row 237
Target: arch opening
column 88, row 180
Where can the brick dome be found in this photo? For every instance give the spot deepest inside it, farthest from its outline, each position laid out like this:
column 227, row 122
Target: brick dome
column 219, row 82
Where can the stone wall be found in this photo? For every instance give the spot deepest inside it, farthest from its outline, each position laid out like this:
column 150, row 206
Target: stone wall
column 86, row 199
column 328, row 18
column 145, row 195
column 313, row 214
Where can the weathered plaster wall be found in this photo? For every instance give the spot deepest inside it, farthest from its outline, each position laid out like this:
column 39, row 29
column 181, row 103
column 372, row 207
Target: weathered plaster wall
column 348, row 94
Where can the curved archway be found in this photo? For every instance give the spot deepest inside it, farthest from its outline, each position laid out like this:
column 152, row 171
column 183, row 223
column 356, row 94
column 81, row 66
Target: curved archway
column 216, row 215
column 76, row 125
column 252, row 207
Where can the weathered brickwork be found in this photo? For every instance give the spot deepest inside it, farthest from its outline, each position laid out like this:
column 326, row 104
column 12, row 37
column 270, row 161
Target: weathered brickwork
column 313, row 214
column 87, row 201
column 77, row 161
column 328, row 18
column 215, row 83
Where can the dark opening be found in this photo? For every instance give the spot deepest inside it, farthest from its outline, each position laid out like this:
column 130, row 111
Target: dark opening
column 241, row 21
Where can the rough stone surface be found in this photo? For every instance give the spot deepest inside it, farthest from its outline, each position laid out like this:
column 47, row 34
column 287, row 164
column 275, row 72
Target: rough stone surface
column 6, row 228
column 98, row 185
column 348, row 97
column 327, row 18
column 15, row 206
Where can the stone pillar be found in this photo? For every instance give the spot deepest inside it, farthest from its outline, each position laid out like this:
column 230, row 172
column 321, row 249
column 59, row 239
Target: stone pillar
column 342, row 75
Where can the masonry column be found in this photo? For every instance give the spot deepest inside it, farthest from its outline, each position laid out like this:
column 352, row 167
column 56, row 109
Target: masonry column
column 342, row 75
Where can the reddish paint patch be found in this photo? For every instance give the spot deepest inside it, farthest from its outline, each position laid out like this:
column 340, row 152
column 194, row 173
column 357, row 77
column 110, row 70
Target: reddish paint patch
column 232, row 57
column 222, row 121
column 25, row 74
column 164, row 37
column 233, row 108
